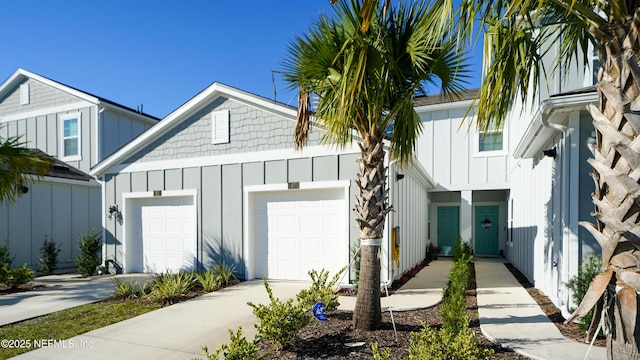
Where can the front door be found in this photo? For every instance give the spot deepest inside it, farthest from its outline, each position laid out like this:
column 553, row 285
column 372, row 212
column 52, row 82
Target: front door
column 448, row 227
column 487, row 230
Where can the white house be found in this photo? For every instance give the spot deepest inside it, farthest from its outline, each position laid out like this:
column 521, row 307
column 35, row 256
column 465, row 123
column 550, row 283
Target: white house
column 218, row 180
column 79, row 130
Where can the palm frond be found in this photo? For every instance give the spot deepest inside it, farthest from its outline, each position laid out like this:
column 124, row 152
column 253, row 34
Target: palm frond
column 18, row 167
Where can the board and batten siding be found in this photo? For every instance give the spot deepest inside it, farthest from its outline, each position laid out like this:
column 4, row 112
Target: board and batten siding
column 60, row 210
column 447, row 150
column 220, row 198
column 117, row 129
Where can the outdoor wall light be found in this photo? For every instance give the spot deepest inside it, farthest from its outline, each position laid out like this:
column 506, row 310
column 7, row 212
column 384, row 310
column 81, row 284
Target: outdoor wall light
column 553, row 152
column 399, row 176
column 113, row 209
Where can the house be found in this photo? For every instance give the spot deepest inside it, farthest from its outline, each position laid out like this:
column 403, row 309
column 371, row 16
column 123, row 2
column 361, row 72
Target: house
column 218, row 180
column 517, row 191
column 79, row 130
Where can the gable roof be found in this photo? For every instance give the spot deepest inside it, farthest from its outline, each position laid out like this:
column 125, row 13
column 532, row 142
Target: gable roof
column 19, row 75
column 463, row 95
column 183, row 112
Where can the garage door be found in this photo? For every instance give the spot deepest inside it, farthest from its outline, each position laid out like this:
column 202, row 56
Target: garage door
column 299, row 230
column 162, row 236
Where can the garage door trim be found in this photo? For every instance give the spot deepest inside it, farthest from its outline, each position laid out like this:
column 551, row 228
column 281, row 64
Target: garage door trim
column 249, row 213
column 128, row 200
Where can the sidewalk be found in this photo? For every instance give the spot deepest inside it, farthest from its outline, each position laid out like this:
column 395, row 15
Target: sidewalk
column 509, row 316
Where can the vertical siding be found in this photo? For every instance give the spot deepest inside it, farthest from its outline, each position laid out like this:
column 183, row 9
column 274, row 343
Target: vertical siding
column 232, row 216
column 211, row 199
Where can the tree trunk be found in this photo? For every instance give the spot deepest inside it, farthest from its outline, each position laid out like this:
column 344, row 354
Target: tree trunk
column 616, row 171
column 371, row 209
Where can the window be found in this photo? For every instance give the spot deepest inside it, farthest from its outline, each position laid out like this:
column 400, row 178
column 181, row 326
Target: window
column 220, row 127
column 491, row 140
column 24, row 94
column 71, row 137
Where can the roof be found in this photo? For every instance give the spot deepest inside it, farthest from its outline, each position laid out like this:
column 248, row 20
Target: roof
column 463, row 95
column 21, row 74
column 580, row 91
column 62, row 170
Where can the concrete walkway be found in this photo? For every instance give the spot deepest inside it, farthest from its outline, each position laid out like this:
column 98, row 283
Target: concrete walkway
column 508, row 316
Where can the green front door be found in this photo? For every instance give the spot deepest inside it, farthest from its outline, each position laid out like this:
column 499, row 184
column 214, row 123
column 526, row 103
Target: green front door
column 448, row 226
column 487, row 230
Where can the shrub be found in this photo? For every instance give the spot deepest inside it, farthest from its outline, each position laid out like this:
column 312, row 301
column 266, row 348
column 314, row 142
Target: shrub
column 591, row 267
column 225, row 273
column 5, row 262
column 461, row 249
column 18, row 276
column 320, row 290
column 90, row 256
column 355, row 254
column 279, row 321
column 454, row 301
column 433, row 344
column 128, row 289
column 239, row 348
column 209, row 280
column 377, row 355
column 48, row 259
column 168, row 288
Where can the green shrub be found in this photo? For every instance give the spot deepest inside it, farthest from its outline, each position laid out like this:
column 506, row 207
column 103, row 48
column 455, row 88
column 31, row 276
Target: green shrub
column 454, row 302
column 5, row 262
column 18, row 276
column 168, row 288
column 433, row 344
column 90, row 256
column 239, row 348
column 461, row 249
column 355, row 254
column 128, row 289
column 377, row 355
column 591, row 267
column 225, row 273
column 48, row 259
column 209, row 280
column 279, row 321
column 320, row 290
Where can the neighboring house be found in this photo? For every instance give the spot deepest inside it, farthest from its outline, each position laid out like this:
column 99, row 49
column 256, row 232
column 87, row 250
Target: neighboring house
column 218, row 180
column 79, row 130
column 519, row 190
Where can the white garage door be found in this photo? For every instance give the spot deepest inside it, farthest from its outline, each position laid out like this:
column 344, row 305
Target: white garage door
column 163, row 235
column 299, row 230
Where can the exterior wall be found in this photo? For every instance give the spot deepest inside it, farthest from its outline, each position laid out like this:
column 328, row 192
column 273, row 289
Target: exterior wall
column 62, row 210
column 447, row 150
column 115, row 130
column 41, row 97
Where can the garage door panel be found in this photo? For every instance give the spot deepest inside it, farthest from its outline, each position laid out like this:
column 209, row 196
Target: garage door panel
column 297, row 231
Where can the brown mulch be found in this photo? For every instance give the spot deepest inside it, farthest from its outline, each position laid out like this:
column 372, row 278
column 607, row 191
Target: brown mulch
column 336, row 338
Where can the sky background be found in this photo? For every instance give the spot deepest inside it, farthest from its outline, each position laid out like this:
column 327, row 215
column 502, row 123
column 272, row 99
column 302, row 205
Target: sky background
column 157, row 53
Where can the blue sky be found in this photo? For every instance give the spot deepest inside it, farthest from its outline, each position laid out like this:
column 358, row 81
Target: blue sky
column 155, row 53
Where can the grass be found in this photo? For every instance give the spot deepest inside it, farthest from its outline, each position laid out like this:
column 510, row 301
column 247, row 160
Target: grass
column 72, row 322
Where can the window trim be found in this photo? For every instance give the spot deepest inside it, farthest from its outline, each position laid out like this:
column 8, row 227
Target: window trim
column 505, row 143
column 63, row 119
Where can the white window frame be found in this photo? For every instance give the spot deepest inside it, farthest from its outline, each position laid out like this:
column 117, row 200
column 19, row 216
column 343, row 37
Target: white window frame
column 505, row 143
column 63, row 118
column 220, row 127
column 24, row 94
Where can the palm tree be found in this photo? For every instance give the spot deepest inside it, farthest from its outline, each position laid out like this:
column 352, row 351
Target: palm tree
column 18, row 167
column 363, row 68
column 517, row 34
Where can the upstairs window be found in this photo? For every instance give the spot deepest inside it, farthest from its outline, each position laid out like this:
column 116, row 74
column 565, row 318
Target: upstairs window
column 71, row 137
column 491, row 140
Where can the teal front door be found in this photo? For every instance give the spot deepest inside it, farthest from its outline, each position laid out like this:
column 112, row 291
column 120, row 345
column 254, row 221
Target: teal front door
column 487, row 230
column 448, row 226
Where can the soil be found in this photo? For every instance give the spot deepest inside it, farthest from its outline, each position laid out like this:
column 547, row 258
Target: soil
column 336, row 338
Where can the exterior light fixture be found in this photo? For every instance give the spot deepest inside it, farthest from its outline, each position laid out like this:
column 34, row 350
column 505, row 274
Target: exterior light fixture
column 553, row 153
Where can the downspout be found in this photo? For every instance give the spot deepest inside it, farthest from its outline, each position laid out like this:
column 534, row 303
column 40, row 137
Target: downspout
column 390, row 179
column 565, row 206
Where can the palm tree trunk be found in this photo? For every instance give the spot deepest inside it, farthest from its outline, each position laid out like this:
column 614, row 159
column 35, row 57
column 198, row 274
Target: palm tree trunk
column 371, row 209
column 616, row 171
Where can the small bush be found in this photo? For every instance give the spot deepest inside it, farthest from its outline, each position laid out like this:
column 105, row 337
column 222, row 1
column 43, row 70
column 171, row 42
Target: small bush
column 5, row 262
column 225, row 273
column 239, row 348
column 279, row 321
column 48, row 259
column 128, row 289
column 18, row 276
column 355, row 254
column 433, row 344
column 90, row 256
column 377, row 355
column 591, row 267
column 454, row 301
column 168, row 288
column 461, row 249
column 209, row 280
column 320, row 290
